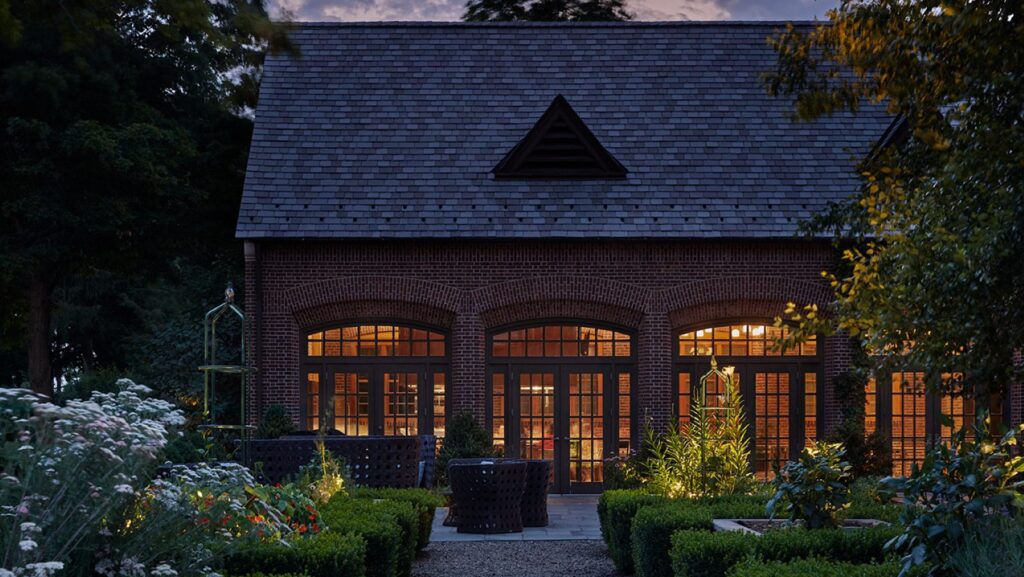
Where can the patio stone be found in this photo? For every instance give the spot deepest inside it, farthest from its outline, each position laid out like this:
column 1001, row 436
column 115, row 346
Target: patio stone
column 571, row 518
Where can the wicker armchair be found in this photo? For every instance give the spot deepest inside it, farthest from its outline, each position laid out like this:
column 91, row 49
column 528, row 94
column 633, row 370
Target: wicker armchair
column 534, row 508
column 488, row 496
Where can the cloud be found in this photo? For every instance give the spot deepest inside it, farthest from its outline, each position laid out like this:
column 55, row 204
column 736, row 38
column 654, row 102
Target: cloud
column 445, row 10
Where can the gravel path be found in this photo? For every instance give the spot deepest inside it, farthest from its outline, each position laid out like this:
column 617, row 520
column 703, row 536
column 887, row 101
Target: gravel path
column 515, row 559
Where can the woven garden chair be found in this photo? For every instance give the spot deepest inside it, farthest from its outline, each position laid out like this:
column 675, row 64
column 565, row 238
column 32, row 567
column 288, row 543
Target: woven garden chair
column 488, row 496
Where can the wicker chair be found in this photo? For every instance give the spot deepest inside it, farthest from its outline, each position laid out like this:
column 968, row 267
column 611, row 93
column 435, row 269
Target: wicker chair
column 535, row 495
column 488, row 496
column 534, row 508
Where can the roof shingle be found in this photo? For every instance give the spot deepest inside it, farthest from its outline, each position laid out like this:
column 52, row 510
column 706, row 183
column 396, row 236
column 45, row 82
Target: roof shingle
column 392, row 130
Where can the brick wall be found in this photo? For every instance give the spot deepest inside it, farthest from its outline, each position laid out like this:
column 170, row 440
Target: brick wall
column 468, row 288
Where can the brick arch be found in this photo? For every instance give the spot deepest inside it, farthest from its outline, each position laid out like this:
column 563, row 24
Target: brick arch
column 391, row 311
column 392, row 294
column 735, row 297
column 561, row 297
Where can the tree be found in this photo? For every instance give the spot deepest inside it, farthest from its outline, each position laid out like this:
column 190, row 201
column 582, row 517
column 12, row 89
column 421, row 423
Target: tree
column 546, row 10
column 932, row 243
column 113, row 112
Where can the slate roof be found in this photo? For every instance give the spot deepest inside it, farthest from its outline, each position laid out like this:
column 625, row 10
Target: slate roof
column 392, row 130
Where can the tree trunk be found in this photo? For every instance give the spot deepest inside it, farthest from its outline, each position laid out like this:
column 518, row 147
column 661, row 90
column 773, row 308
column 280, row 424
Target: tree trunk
column 40, row 374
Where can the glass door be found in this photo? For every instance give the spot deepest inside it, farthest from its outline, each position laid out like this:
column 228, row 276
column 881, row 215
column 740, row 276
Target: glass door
column 583, row 437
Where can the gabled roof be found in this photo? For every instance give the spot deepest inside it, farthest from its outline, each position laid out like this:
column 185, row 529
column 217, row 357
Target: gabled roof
column 559, row 146
column 393, row 130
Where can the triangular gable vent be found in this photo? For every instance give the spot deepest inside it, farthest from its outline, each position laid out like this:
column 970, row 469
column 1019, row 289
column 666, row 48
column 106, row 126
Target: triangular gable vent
column 559, row 146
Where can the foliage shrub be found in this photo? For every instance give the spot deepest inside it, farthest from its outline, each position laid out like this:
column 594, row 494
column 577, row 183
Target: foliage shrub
column 651, row 534
column 813, row 568
column 868, row 455
column 321, row 478
column 275, row 423
column 708, row 554
column 615, row 510
column 425, row 502
column 815, row 487
column 622, row 472
column 464, row 438
column 390, row 529
column 709, row 456
column 329, row 554
column 992, row 548
column 956, row 488
column 713, row 554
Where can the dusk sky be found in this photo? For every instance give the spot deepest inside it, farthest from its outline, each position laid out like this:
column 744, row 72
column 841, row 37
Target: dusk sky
column 440, row 10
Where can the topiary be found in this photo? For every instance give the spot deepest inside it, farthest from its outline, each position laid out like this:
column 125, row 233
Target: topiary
column 275, row 423
column 463, row 438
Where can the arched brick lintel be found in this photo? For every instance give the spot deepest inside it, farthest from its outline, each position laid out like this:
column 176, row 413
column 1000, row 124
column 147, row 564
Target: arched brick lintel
column 737, row 297
column 411, row 293
column 561, row 297
column 390, row 311
column 526, row 312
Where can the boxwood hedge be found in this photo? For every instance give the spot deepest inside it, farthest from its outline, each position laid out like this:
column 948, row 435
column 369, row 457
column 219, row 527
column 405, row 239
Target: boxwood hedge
column 425, row 502
column 329, row 554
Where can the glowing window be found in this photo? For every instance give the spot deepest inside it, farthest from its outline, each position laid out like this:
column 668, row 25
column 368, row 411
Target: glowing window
column 375, row 341
column 742, row 341
column 561, row 341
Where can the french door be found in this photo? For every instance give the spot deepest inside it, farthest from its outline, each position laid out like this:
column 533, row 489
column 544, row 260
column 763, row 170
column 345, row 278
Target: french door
column 390, row 400
column 780, row 401
column 568, row 414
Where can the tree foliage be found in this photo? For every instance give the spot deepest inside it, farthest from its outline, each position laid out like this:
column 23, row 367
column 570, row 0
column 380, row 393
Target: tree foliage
column 121, row 152
column 932, row 273
column 546, row 10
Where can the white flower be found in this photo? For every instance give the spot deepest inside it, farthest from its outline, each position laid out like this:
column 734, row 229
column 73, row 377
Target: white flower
column 27, row 545
column 125, row 489
column 163, row 570
column 45, row 569
column 29, row 527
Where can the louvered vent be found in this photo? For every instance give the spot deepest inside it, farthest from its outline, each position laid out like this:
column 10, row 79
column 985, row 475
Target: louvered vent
column 559, row 146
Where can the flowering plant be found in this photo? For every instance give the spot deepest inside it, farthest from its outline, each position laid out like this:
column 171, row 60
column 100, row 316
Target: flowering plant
column 65, row 469
column 78, row 494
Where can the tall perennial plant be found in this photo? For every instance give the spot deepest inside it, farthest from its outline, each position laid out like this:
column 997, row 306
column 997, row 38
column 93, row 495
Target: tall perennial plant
column 79, row 496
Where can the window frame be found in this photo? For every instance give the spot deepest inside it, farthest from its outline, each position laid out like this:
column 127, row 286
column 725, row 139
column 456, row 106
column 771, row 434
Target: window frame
column 798, row 366
column 376, row 366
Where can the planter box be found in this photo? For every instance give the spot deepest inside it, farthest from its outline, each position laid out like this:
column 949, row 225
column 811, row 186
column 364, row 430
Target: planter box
column 741, row 524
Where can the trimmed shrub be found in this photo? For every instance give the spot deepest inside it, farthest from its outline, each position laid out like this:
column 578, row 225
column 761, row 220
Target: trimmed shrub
column 652, row 531
column 425, row 502
column 329, row 554
column 696, row 554
column 616, row 510
column 813, row 568
column 854, row 545
column 388, row 527
column 709, row 554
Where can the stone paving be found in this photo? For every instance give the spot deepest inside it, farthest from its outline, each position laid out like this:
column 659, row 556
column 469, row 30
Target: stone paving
column 572, row 518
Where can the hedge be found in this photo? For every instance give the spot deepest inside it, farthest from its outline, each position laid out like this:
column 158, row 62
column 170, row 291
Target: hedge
column 615, row 510
column 390, row 529
column 712, row 554
column 329, row 554
column 708, row 554
column 813, row 568
column 652, row 530
column 425, row 502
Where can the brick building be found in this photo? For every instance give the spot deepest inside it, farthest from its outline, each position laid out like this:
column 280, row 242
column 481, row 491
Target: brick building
column 548, row 226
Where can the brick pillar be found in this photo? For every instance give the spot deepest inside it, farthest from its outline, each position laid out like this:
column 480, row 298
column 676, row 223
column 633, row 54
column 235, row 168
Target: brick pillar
column 251, row 296
column 1015, row 390
column 654, row 369
column 468, row 392
column 838, row 352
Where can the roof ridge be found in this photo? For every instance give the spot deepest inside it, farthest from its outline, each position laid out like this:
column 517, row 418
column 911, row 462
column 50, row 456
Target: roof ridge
column 531, row 24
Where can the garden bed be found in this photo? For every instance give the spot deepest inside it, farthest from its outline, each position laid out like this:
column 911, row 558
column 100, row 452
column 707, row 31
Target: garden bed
column 759, row 526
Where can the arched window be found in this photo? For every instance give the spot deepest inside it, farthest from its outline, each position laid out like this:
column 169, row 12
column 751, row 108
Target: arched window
column 563, row 391
column 376, row 379
column 779, row 387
